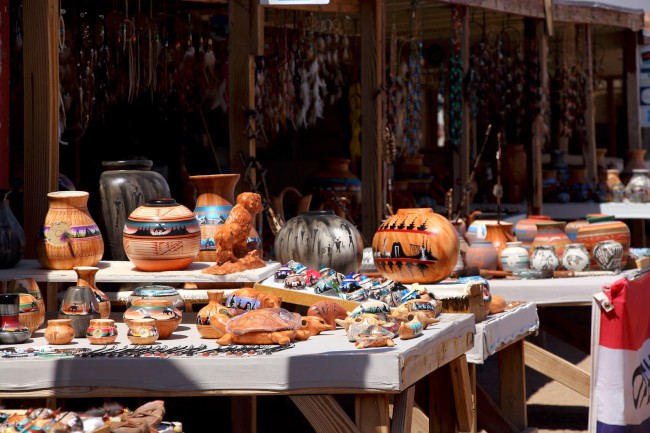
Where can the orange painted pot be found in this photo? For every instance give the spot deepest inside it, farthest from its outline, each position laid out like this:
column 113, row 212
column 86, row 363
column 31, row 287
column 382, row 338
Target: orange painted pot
column 167, row 318
column 101, row 331
column 526, row 229
column 59, row 331
column 162, row 235
column 416, row 246
column 551, row 233
column 601, row 229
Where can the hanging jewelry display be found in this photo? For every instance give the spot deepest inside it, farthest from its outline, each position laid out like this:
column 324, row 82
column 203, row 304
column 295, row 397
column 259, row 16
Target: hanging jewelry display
column 413, row 120
column 455, row 76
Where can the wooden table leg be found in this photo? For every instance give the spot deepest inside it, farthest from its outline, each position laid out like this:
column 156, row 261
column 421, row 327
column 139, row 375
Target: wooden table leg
column 472, row 380
column 442, row 413
column 324, row 414
column 403, row 411
column 512, row 384
column 243, row 414
column 462, row 393
column 371, row 412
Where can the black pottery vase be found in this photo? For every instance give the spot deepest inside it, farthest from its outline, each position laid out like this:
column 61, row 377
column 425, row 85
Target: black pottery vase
column 12, row 236
column 123, row 187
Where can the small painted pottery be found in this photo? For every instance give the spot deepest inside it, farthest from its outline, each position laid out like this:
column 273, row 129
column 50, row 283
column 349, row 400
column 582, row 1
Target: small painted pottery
column 30, row 286
column 59, row 331
column 11, row 330
column 320, row 238
column 101, row 331
column 28, row 312
column 12, row 236
column 572, row 228
column 543, row 258
column 162, row 235
column 608, row 255
column 637, row 189
column 576, row 257
column 525, row 229
column 80, row 306
column 499, row 233
column 552, row 233
column 142, row 331
column 514, row 257
column 213, row 312
column 86, row 277
column 604, row 228
column 123, row 186
column 616, row 189
column 167, row 318
column 156, row 291
column 69, row 237
column 416, row 246
column 481, row 255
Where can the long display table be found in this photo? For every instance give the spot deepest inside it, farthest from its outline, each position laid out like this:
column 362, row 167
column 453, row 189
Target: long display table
column 311, row 372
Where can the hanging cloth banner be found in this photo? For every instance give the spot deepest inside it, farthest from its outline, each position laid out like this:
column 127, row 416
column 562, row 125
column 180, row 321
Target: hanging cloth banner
column 621, row 363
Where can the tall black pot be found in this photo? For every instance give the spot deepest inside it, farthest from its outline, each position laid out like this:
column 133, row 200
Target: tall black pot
column 12, row 236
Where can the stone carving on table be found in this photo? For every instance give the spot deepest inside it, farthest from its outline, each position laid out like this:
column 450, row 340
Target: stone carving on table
column 232, row 254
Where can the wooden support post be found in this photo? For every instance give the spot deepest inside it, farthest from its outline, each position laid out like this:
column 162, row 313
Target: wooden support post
column 41, row 111
column 462, row 393
column 5, row 49
column 589, row 146
column 245, row 18
column 442, row 412
column 536, row 27
column 373, row 185
column 512, row 384
column 243, row 414
column 403, row 411
column 372, row 413
column 324, row 413
column 462, row 160
column 630, row 68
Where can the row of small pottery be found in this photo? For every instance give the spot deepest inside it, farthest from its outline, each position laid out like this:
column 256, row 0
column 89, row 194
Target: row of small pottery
column 320, row 238
column 99, row 331
column 416, row 246
column 12, row 236
column 11, row 330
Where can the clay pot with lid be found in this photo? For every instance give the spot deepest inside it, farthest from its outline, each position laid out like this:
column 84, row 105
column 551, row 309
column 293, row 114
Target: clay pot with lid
column 162, row 235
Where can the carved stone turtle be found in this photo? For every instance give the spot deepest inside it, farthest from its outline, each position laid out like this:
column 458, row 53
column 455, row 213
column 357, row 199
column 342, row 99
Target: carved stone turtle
column 264, row 326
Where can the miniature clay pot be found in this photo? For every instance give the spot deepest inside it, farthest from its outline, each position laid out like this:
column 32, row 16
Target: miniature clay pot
column 213, row 312
column 167, row 318
column 514, row 257
column 328, row 311
column 142, row 331
column 59, row 331
column 69, row 237
column 481, row 254
column 101, row 331
column 544, row 258
column 162, row 235
column 576, row 257
column 416, row 246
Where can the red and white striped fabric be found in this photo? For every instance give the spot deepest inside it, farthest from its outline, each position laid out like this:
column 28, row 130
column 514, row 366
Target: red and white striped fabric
column 621, row 374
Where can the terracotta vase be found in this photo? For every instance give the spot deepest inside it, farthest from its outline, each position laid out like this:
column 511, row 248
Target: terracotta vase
column 59, row 331
column 416, row 246
column 30, row 286
column 576, row 258
column 167, row 318
column 11, row 330
column 86, row 277
column 635, row 160
column 572, row 228
column 156, row 291
column 499, row 233
column 334, row 177
column 214, row 201
column 615, row 188
column 80, row 306
column 514, row 172
column 28, row 312
column 70, row 237
column 637, row 189
column 123, row 187
column 514, row 257
column 101, row 331
column 214, row 312
column 12, row 236
column 482, row 255
column 552, row 233
column 604, row 228
column 142, row 332
column 320, row 238
column 525, row 229
column 162, row 235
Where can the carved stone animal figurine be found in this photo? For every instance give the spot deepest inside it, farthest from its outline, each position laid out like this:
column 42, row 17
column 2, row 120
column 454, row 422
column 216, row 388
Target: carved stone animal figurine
column 231, row 238
column 328, row 311
column 264, row 326
column 251, row 299
column 314, row 324
column 410, row 329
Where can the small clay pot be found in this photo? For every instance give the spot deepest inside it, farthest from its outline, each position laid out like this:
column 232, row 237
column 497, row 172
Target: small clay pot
column 167, row 318
column 59, row 331
column 101, row 331
column 142, row 331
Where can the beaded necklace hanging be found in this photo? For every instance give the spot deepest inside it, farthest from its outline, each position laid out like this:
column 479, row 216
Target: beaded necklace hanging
column 455, row 77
